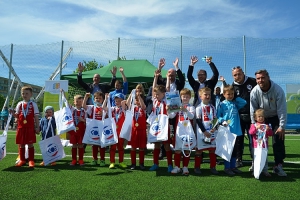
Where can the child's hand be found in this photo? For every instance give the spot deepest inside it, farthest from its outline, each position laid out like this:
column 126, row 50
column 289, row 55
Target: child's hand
column 49, row 117
column 107, row 96
column 182, row 108
column 257, row 126
column 207, row 134
column 212, row 130
column 37, row 130
column 167, row 107
column 88, row 94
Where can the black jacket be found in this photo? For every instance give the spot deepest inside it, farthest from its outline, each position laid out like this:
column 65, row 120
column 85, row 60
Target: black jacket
column 211, row 83
column 88, row 87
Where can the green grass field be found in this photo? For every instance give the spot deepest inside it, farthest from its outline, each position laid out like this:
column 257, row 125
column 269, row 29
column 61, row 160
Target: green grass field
column 89, row 182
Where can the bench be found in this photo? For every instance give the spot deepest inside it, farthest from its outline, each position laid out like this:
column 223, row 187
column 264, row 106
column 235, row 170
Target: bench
column 293, row 121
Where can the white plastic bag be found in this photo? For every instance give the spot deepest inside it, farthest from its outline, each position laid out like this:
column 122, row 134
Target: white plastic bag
column 225, row 141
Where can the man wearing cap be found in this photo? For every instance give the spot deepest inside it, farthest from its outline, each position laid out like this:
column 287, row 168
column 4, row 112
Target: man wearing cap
column 96, row 85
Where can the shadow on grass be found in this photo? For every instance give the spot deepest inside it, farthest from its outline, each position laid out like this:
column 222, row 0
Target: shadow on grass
column 113, row 172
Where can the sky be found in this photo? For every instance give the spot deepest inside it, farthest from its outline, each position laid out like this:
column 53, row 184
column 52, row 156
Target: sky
column 33, row 24
column 47, row 21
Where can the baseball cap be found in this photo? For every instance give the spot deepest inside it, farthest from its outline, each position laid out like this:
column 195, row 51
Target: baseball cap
column 119, row 95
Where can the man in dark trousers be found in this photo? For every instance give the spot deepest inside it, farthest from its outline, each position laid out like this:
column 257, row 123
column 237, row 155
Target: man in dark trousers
column 96, row 85
column 243, row 85
column 202, row 82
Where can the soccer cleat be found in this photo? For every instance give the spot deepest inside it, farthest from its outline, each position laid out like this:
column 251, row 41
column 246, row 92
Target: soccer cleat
column 31, row 164
column 279, row 171
column 122, row 165
column 236, row 171
column 20, row 163
column 175, row 170
column 154, row 167
column 185, row 171
column 102, row 163
column 80, row 162
column 94, row 162
column 170, row 168
column 111, row 166
column 132, row 167
column 53, row 164
column 42, row 164
column 214, row 171
column 74, row 162
column 229, row 172
column 142, row 167
column 197, row 170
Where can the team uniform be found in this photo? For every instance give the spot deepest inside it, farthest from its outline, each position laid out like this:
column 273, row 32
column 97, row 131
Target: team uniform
column 77, row 135
column 119, row 115
column 26, row 112
column 205, row 113
column 95, row 148
column 138, row 135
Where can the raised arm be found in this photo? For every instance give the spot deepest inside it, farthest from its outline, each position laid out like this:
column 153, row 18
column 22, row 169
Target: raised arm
column 168, row 84
column 86, row 97
column 79, row 78
column 125, row 83
column 181, row 79
column 190, row 77
column 214, row 69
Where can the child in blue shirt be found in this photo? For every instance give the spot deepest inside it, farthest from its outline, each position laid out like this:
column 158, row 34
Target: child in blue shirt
column 228, row 115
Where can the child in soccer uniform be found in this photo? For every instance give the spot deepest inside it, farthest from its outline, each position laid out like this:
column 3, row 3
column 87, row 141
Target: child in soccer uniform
column 97, row 108
column 186, row 112
column 159, row 103
column 118, row 113
column 228, row 115
column 27, row 114
column 205, row 113
column 76, row 137
column 257, row 132
column 49, row 111
column 139, row 130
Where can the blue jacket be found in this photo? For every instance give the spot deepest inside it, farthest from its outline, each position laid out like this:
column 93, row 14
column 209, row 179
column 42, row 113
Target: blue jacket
column 228, row 111
column 123, row 91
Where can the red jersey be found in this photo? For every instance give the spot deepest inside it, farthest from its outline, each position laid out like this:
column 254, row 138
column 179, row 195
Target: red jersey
column 139, row 118
column 26, row 115
column 158, row 105
column 119, row 116
column 98, row 112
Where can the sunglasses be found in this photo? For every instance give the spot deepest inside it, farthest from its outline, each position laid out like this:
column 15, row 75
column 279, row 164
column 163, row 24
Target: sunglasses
column 238, row 67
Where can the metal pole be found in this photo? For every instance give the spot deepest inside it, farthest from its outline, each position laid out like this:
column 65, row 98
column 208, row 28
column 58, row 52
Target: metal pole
column 9, row 75
column 15, row 95
column 118, row 58
column 61, row 59
column 244, row 49
column 181, row 53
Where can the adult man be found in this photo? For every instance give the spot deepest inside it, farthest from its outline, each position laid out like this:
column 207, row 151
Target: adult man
column 270, row 97
column 243, row 85
column 202, row 82
column 96, row 85
column 4, row 117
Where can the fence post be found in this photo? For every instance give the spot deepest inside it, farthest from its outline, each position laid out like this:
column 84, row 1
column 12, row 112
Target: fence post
column 181, row 53
column 118, row 49
column 61, row 59
column 244, row 49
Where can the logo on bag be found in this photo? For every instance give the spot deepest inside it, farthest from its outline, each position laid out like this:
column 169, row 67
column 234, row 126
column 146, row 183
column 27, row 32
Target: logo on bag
column 187, row 139
column 2, row 150
column 52, row 150
column 94, row 133
column 107, row 131
column 156, row 128
column 67, row 118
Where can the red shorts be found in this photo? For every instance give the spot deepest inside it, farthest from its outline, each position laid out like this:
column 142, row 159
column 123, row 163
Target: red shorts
column 119, row 145
column 25, row 136
column 76, row 137
column 138, row 138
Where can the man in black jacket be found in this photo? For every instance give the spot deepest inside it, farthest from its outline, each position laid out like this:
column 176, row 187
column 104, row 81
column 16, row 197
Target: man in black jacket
column 202, row 82
column 96, row 85
column 243, row 85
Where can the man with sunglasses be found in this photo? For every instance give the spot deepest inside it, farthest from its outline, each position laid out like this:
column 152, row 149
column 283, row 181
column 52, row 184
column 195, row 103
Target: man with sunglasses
column 243, row 85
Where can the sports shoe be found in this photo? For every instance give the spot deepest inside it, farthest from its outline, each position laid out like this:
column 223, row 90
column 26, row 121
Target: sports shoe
column 175, row 170
column 111, row 166
column 132, row 167
column 267, row 174
column 94, row 162
column 279, row 171
column 122, row 165
column 20, row 163
column 185, row 171
column 229, row 172
column 74, row 162
column 214, row 171
column 80, row 162
column 239, row 164
column 170, row 168
column 197, row 170
column 236, row 171
column 154, row 167
column 42, row 164
column 142, row 167
column 53, row 164
column 251, row 168
column 102, row 163
column 31, row 164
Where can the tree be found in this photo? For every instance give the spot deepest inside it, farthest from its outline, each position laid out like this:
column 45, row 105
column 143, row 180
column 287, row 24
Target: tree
column 90, row 65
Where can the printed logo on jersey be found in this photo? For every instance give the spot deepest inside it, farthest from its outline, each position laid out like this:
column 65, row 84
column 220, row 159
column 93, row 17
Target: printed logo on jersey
column 52, row 150
column 249, row 87
column 94, row 133
column 156, row 128
column 108, row 132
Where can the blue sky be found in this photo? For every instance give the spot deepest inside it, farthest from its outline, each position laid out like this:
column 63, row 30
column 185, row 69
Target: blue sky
column 47, row 21
column 30, row 24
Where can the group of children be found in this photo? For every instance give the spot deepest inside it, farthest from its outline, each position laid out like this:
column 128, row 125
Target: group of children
column 202, row 116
